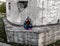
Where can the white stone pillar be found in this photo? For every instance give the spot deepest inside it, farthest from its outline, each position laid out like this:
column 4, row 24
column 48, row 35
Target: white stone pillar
column 41, row 39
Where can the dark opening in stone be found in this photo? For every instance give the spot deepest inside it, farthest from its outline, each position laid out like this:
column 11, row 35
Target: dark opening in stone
column 23, row 4
column 9, row 5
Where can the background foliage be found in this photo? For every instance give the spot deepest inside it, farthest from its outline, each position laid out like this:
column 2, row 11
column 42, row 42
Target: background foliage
column 3, row 7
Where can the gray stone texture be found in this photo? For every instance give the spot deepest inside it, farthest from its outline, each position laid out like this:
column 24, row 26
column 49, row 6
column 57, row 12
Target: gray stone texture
column 41, row 12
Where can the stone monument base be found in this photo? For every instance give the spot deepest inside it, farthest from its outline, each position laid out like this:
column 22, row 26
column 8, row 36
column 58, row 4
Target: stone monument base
column 38, row 36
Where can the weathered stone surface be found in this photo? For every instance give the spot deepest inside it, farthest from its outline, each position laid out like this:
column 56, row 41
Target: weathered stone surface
column 4, row 44
column 20, row 35
column 41, row 12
